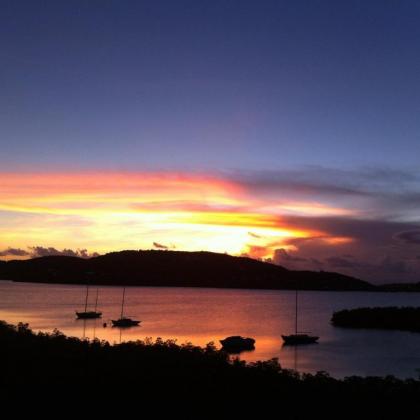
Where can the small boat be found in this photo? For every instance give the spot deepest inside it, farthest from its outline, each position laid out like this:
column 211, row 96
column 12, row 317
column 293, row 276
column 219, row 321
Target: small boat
column 123, row 321
column 298, row 337
column 236, row 343
column 89, row 314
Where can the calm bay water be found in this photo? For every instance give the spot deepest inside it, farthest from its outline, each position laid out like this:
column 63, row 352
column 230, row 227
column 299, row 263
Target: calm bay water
column 203, row 315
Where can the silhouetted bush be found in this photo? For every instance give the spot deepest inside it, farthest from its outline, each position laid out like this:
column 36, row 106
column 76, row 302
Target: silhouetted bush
column 55, row 366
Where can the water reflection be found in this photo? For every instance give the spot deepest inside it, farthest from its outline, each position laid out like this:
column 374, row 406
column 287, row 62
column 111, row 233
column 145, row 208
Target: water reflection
column 291, row 353
column 201, row 316
column 295, row 358
column 88, row 330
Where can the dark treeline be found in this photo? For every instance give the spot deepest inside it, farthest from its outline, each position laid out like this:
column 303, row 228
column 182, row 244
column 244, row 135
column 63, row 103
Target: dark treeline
column 47, row 365
column 390, row 318
column 399, row 287
column 174, row 268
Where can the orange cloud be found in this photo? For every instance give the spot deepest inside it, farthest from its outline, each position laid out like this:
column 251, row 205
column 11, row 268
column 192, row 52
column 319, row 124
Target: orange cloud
column 111, row 210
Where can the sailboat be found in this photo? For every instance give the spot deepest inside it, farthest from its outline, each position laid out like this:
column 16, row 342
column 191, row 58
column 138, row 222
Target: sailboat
column 298, row 337
column 89, row 314
column 124, row 321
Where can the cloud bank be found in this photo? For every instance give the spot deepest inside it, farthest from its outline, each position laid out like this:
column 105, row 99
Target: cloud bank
column 40, row 251
column 361, row 222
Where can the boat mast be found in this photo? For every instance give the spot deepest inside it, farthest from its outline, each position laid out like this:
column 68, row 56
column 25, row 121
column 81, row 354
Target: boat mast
column 87, row 294
column 296, row 311
column 96, row 301
column 122, row 304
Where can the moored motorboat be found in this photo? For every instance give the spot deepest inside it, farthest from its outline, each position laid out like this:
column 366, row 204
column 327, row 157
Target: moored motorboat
column 236, row 343
column 88, row 315
column 125, row 322
column 294, row 339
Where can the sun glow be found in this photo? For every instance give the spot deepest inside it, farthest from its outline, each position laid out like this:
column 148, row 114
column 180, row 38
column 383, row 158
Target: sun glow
column 110, row 211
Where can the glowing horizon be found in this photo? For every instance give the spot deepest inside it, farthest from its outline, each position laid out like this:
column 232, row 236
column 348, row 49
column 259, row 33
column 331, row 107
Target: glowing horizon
column 107, row 211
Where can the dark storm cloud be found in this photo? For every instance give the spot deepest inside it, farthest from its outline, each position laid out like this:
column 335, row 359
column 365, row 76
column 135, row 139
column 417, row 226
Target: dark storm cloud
column 336, row 181
column 409, row 237
column 282, row 255
column 386, row 268
column 388, row 263
column 40, row 251
column 159, row 246
column 16, row 252
column 300, row 182
column 162, row 246
column 394, row 266
column 345, row 262
column 293, row 261
column 380, row 191
column 366, row 231
column 377, row 250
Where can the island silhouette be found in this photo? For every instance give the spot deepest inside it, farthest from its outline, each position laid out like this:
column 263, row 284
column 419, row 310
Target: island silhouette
column 174, row 269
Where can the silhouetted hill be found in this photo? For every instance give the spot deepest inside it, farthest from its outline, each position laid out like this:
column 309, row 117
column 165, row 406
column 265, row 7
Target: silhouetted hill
column 174, row 268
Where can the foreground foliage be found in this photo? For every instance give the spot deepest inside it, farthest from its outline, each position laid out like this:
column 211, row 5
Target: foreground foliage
column 55, row 365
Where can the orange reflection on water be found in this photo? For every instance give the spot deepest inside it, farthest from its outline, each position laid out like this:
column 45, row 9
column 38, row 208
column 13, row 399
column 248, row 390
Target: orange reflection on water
column 200, row 316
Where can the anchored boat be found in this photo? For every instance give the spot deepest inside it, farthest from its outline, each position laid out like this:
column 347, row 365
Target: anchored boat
column 124, row 321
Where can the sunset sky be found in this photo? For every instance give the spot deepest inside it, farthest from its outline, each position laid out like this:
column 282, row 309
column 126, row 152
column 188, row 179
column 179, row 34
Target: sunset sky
column 281, row 130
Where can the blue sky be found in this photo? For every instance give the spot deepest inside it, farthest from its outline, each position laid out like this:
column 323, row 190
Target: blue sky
column 223, row 84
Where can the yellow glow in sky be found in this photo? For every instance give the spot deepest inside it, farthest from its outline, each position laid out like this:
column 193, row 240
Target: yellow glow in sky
column 113, row 211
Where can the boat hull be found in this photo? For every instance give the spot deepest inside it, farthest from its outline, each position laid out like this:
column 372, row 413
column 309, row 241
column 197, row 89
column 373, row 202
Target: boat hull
column 297, row 339
column 88, row 315
column 236, row 344
column 125, row 322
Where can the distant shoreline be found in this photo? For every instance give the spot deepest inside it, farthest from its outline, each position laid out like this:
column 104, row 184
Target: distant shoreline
column 376, row 289
column 379, row 318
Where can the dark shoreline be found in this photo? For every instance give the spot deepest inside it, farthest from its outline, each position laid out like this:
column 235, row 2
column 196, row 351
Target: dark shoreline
column 385, row 318
column 375, row 289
